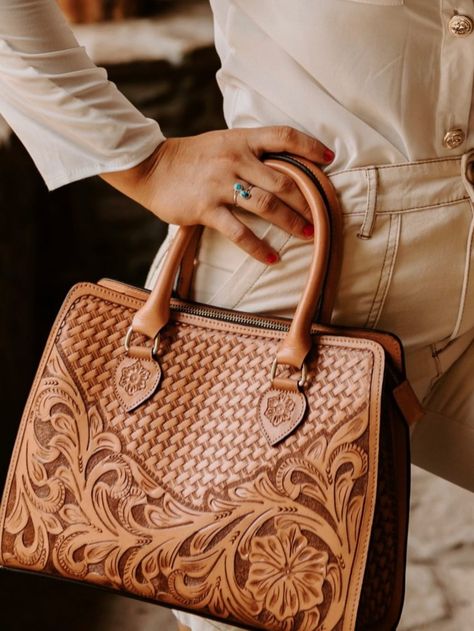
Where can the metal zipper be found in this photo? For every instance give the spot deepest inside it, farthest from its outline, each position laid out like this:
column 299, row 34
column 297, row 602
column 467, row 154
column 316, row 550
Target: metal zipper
column 233, row 318
column 213, row 313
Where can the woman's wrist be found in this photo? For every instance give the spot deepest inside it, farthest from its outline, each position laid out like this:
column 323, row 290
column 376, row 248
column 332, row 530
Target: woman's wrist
column 132, row 181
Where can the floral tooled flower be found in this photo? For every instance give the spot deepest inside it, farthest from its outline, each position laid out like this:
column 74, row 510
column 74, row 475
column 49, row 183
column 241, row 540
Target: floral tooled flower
column 134, row 378
column 286, row 574
column 279, row 409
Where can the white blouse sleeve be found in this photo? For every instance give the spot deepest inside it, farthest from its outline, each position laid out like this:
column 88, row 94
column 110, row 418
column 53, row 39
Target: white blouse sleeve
column 72, row 120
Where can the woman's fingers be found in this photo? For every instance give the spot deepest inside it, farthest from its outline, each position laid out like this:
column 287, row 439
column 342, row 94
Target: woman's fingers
column 282, row 138
column 188, row 181
column 225, row 222
column 272, row 209
column 279, row 184
column 276, row 197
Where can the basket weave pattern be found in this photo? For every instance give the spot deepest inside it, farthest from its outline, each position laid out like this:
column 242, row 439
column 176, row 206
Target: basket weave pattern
column 183, row 500
column 199, row 432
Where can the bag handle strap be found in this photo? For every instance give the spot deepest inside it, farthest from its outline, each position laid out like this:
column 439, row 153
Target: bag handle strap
column 321, row 199
column 186, row 271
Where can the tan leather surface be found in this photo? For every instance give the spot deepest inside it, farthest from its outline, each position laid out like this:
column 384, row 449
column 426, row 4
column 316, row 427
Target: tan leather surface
column 334, row 263
column 406, row 399
column 183, row 500
column 336, row 241
column 135, row 380
column 154, row 314
column 408, row 403
column 294, row 348
column 280, row 411
column 186, row 270
column 389, row 342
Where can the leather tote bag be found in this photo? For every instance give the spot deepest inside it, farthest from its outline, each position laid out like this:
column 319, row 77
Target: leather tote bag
column 249, row 469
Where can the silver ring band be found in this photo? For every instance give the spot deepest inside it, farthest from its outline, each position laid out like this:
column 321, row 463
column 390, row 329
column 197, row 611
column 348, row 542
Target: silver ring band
column 240, row 190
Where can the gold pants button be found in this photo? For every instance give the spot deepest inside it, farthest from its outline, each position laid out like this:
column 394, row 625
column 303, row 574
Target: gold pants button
column 453, row 138
column 460, row 25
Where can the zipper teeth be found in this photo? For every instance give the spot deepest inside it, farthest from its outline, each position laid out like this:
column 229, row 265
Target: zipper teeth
column 215, row 314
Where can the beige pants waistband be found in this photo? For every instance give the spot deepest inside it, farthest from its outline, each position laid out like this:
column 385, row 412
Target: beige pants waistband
column 406, row 186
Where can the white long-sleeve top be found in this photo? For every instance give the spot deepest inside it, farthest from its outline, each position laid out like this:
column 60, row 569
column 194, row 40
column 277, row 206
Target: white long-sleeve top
column 72, row 120
column 378, row 81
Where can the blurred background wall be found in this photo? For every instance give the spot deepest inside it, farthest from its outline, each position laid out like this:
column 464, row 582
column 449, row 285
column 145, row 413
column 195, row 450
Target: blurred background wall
column 160, row 54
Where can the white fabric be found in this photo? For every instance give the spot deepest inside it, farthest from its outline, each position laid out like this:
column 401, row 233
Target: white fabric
column 73, row 121
column 379, row 81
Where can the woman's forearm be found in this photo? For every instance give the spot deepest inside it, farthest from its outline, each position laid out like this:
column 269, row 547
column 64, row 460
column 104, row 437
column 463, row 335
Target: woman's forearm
column 72, row 120
column 75, row 123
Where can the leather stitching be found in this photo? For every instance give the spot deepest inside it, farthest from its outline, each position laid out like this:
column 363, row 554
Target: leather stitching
column 316, row 329
column 150, row 391
column 377, row 376
column 284, row 434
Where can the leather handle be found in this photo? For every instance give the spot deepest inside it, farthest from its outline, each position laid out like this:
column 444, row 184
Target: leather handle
column 154, row 314
column 326, row 307
column 297, row 343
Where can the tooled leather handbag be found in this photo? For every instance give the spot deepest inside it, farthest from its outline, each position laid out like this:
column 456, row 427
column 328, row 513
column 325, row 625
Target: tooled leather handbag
column 245, row 468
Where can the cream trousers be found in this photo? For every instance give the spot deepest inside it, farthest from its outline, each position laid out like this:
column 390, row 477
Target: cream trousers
column 407, row 268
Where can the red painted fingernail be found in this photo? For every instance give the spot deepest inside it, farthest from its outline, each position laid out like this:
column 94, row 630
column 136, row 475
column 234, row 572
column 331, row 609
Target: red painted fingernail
column 329, row 155
column 271, row 258
column 308, row 230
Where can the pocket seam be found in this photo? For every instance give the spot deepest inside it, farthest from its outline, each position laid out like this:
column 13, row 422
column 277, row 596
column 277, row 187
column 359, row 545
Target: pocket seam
column 386, row 272
column 411, row 209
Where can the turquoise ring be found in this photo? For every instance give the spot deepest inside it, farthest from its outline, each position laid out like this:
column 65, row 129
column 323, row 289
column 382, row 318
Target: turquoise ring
column 241, row 191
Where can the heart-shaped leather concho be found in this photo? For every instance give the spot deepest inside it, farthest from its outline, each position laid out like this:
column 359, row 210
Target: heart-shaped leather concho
column 280, row 412
column 135, row 381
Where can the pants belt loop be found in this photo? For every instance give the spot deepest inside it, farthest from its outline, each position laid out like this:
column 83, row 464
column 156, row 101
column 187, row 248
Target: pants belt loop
column 367, row 226
column 467, row 174
column 467, row 169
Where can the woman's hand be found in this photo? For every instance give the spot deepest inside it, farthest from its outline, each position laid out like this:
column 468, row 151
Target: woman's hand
column 189, row 181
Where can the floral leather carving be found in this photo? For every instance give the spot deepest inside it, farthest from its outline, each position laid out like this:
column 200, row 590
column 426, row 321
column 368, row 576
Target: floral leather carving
column 286, row 573
column 280, row 412
column 135, row 380
column 182, row 500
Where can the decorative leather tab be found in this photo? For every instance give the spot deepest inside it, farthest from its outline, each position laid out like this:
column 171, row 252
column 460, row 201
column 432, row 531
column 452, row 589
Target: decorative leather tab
column 280, row 412
column 408, row 403
column 135, row 381
column 286, row 384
